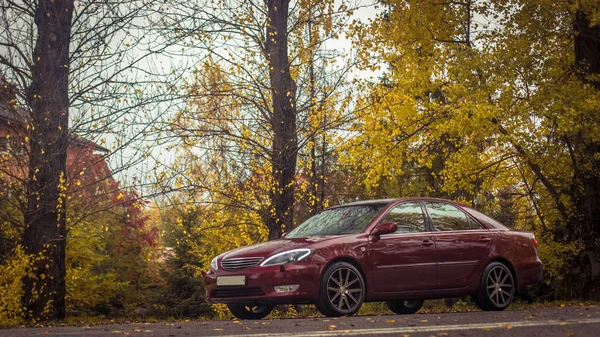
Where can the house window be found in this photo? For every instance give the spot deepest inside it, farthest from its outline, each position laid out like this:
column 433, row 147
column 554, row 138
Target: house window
column 4, row 145
column 9, row 146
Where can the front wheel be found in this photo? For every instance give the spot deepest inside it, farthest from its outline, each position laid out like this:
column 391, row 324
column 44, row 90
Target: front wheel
column 342, row 290
column 250, row 311
column 405, row 307
column 496, row 288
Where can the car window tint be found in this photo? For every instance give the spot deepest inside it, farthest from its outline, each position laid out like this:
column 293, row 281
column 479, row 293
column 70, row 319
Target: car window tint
column 447, row 217
column 482, row 217
column 408, row 217
column 474, row 224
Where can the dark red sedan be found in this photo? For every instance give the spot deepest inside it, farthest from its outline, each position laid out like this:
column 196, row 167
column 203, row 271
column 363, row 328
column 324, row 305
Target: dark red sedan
column 399, row 251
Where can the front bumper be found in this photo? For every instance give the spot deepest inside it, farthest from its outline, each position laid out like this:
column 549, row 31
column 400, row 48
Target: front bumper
column 261, row 282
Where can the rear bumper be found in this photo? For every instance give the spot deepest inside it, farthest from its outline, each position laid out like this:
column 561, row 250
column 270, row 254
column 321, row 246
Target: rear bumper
column 529, row 273
column 261, row 282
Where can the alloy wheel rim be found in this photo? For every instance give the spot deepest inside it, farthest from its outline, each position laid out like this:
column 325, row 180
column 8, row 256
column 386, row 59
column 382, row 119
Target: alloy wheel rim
column 500, row 286
column 344, row 290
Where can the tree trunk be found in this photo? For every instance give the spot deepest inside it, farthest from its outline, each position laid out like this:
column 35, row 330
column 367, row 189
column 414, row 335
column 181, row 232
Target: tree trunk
column 586, row 227
column 283, row 90
column 45, row 232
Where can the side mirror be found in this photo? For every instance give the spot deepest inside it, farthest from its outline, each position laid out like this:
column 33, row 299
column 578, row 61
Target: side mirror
column 385, row 228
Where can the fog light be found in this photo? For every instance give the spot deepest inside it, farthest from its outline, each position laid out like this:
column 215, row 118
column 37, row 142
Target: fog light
column 287, row 288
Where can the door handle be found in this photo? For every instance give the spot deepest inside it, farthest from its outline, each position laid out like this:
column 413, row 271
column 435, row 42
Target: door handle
column 427, row 243
column 484, row 239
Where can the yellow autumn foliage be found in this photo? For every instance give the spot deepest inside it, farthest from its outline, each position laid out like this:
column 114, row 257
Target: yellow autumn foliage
column 480, row 102
column 14, row 269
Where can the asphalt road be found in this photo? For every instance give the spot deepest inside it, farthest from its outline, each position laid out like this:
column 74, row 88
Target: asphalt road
column 568, row 321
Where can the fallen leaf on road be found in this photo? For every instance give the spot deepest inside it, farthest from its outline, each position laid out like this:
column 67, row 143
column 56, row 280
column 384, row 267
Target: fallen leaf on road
column 217, row 329
column 504, row 325
column 487, row 329
column 563, row 323
column 331, row 327
column 347, row 331
column 424, row 321
column 391, row 320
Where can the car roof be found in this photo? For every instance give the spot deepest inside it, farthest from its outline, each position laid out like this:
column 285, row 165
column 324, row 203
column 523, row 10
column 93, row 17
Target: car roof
column 391, row 200
column 367, row 202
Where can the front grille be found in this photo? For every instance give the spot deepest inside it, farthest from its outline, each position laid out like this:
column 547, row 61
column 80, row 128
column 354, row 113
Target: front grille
column 241, row 263
column 237, row 292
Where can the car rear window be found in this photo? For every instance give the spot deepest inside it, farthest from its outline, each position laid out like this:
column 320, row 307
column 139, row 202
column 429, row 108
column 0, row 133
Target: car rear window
column 482, row 217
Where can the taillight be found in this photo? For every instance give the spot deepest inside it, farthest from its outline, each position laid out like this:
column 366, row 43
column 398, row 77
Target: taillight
column 534, row 241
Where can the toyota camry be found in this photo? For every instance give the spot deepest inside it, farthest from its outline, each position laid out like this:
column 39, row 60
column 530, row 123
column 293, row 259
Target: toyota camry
column 400, row 251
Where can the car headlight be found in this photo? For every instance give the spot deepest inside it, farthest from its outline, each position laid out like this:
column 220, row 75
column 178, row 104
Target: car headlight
column 286, row 257
column 214, row 265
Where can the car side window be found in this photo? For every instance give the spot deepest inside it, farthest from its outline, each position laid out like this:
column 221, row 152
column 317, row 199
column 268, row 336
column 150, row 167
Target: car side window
column 408, row 216
column 474, row 224
column 447, row 217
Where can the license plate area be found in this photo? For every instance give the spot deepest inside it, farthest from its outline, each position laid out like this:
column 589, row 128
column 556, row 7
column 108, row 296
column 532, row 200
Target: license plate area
column 231, row 280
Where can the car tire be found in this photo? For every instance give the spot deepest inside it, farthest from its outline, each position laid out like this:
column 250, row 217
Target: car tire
column 405, row 307
column 496, row 288
column 250, row 311
column 342, row 290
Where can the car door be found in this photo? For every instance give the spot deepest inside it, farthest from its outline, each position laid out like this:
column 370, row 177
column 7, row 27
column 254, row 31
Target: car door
column 462, row 244
column 404, row 260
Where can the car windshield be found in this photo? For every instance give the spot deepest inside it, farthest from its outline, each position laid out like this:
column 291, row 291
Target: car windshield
column 338, row 221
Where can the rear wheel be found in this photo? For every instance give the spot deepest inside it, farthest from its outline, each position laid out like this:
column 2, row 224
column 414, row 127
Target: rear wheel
column 496, row 288
column 342, row 290
column 250, row 311
column 405, row 307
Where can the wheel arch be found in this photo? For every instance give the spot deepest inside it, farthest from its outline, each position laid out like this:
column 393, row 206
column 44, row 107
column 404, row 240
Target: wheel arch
column 509, row 265
column 351, row 261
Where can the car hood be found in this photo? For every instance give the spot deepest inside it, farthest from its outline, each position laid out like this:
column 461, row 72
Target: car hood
column 273, row 247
